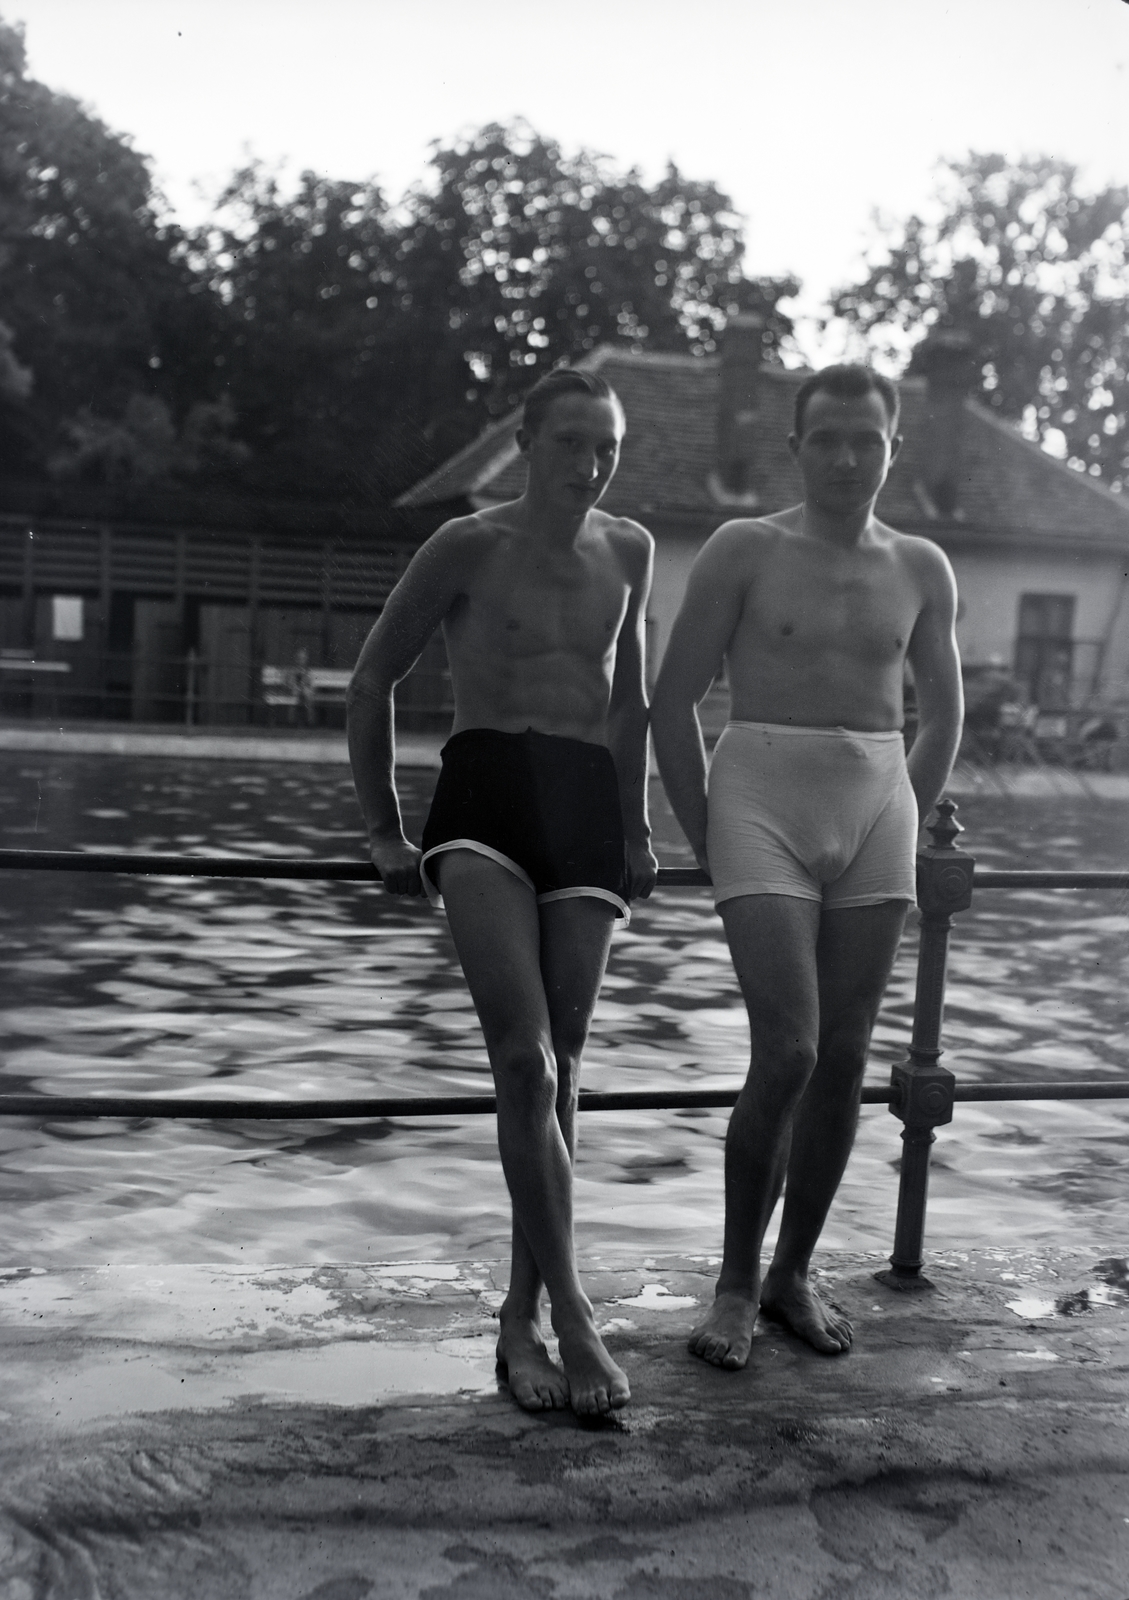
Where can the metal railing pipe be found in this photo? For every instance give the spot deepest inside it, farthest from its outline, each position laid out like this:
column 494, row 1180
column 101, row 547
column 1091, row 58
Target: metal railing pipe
column 468, row 1105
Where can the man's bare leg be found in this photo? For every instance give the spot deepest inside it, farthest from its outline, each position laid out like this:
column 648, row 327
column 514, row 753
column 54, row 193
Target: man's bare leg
column 772, row 939
column 497, row 929
column 855, row 952
column 575, row 940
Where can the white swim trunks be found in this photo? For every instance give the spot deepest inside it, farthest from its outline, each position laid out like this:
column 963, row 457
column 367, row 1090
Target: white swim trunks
column 815, row 813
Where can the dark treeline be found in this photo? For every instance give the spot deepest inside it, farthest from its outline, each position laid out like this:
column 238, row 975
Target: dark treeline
column 330, row 342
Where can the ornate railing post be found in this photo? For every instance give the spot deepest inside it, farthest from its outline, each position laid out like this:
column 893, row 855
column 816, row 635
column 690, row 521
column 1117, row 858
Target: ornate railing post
column 923, row 1090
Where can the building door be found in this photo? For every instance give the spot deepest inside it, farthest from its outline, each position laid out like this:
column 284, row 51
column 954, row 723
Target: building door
column 226, row 693
column 1044, row 648
column 158, row 662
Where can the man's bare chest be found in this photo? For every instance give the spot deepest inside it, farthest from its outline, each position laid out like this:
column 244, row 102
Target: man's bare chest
column 525, row 608
column 864, row 608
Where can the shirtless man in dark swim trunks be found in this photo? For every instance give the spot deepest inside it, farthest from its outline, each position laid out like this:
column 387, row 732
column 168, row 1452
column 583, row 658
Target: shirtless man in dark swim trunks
column 810, row 823
column 538, row 835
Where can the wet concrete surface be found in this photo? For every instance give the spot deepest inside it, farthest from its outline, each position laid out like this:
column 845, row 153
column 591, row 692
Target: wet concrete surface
column 323, row 745
column 338, row 1432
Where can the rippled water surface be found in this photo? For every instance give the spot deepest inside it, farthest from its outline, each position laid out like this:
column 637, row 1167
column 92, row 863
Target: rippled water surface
column 287, row 989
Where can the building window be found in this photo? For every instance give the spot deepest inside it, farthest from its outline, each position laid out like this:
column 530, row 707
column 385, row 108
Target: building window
column 66, row 617
column 1044, row 648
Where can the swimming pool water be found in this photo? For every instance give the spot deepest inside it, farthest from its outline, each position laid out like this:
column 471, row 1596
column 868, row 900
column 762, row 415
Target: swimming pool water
column 179, row 986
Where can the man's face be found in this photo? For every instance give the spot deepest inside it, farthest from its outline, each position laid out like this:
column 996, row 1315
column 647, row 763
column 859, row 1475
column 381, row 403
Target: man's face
column 845, row 450
column 575, row 451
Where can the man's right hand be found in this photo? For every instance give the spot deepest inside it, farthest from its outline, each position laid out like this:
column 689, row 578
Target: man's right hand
column 397, row 861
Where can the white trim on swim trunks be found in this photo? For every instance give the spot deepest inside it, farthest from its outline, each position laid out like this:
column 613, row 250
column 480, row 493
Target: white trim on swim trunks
column 879, row 735
column 575, row 892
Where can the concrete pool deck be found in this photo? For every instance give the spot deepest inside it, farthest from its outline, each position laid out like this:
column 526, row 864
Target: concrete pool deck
column 421, row 750
column 321, row 746
column 336, row 1432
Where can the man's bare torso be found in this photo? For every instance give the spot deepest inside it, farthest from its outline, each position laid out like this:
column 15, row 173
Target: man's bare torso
column 531, row 637
column 824, row 629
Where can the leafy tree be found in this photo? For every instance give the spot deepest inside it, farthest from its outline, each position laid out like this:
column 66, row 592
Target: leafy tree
column 367, row 342
column 308, row 322
column 1035, row 270
column 516, row 257
column 100, row 301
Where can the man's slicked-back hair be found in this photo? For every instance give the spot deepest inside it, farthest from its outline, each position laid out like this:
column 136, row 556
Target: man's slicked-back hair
column 849, row 380
column 564, row 381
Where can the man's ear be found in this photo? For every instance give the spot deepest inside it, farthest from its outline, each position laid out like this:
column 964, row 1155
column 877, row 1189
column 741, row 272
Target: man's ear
column 794, row 445
column 524, row 440
column 895, row 445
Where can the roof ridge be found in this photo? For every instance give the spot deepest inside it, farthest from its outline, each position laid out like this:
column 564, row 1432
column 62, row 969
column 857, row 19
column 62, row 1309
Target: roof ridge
column 1011, row 431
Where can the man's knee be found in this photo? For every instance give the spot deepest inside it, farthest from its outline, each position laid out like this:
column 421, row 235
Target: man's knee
column 844, row 1044
column 570, row 1035
column 525, row 1074
column 783, row 1051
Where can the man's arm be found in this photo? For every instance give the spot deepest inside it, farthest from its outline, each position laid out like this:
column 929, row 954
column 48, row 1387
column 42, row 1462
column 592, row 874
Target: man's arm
column 711, row 609
column 627, row 715
column 936, row 675
column 414, row 610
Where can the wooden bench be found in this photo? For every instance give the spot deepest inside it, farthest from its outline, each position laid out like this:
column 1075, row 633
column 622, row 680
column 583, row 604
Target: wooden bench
column 328, row 685
column 288, row 688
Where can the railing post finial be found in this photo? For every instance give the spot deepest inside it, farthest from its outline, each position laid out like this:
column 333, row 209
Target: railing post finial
column 944, row 829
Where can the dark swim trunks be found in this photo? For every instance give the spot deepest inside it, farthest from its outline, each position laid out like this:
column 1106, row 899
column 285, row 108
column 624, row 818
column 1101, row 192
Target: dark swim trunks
column 545, row 808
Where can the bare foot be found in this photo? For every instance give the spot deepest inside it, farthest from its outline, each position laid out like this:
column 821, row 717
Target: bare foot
column 725, row 1336
column 596, row 1385
column 790, row 1299
column 536, row 1382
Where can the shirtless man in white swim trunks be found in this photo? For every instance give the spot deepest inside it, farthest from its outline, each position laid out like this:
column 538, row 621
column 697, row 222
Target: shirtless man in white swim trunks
column 537, row 837
column 809, row 827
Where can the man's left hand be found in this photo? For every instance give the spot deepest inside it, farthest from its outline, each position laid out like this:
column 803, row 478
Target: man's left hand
column 642, row 871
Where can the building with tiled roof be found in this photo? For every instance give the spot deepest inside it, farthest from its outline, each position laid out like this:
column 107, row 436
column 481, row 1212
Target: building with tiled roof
column 1041, row 552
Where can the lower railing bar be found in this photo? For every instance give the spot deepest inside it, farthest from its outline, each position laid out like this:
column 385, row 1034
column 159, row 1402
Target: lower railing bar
column 986, row 878
column 1041, row 1091
column 469, row 1105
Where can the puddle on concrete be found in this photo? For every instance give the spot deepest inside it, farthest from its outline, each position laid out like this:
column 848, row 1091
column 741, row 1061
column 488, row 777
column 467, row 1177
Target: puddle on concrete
column 1032, row 1308
column 657, row 1297
column 1111, row 1289
column 354, row 1373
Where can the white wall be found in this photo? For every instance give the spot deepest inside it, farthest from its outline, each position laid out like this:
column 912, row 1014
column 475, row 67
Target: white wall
column 673, row 559
column 990, row 586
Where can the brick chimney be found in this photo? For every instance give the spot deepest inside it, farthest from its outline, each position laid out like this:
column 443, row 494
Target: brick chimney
column 947, row 361
column 738, row 402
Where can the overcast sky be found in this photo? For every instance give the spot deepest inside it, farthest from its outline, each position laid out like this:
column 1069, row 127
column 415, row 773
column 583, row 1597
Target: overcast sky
column 809, row 113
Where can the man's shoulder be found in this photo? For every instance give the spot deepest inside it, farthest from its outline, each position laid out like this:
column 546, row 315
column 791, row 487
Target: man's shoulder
column 744, row 538
column 460, row 546
column 478, row 528
column 922, row 554
column 628, row 540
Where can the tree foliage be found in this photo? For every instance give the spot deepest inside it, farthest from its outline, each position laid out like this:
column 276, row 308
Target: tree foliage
column 1035, row 269
column 321, row 341
column 525, row 257
column 308, row 337
column 100, row 306
column 369, row 342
